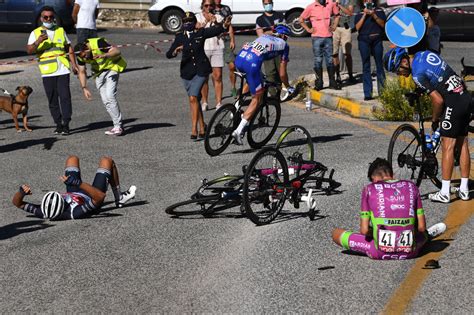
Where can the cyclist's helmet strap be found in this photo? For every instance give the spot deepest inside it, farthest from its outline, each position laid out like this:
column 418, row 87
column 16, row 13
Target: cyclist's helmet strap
column 393, row 58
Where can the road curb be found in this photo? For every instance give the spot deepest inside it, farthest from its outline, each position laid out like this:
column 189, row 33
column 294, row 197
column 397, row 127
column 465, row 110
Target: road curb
column 346, row 106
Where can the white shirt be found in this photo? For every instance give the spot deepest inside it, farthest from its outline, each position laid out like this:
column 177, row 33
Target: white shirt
column 213, row 43
column 62, row 69
column 86, row 15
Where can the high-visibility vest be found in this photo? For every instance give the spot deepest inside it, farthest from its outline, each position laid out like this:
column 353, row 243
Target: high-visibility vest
column 98, row 65
column 51, row 52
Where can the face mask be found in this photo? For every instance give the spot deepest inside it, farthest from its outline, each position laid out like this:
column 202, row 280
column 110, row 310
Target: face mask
column 268, row 7
column 189, row 27
column 48, row 25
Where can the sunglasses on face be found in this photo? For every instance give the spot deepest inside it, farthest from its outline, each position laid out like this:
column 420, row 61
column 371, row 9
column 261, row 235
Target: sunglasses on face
column 47, row 17
column 209, row 6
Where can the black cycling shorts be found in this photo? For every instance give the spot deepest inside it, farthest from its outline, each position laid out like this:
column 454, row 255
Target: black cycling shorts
column 456, row 115
column 101, row 179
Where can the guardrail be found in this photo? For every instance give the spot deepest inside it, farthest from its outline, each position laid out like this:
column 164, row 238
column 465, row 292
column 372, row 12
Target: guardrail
column 125, row 4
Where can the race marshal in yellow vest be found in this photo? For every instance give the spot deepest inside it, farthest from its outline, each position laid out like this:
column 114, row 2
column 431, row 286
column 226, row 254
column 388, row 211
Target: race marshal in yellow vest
column 107, row 63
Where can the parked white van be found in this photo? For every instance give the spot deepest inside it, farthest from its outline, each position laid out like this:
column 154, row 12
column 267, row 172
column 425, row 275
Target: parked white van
column 168, row 13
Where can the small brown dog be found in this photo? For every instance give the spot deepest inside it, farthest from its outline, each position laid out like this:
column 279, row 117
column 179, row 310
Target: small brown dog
column 17, row 105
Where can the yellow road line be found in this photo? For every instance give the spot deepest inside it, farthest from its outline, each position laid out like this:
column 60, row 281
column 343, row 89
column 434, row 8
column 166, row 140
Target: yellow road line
column 458, row 214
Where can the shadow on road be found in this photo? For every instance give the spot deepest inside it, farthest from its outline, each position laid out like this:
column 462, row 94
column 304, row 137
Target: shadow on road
column 99, row 125
column 10, row 72
column 14, row 229
column 137, row 69
column 435, row 246
column 12, row 54
column 46, row 142
column 140, row 127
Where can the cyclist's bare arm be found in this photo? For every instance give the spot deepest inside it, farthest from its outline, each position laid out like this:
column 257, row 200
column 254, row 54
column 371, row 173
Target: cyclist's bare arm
column 96, row 195
column 421, row 223
column 364, row 226
column 18, row 196
column 283, row 71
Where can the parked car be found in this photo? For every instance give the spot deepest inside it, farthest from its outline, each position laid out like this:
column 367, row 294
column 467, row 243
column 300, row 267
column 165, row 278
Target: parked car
column 27, row 12
column 168, row 13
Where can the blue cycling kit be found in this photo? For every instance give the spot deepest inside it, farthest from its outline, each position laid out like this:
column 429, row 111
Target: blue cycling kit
column 250, row 58
column 431, row 73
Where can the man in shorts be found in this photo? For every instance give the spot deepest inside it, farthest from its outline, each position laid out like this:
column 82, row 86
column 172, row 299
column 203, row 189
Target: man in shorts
column 392, row 219
column 81, row 199
column 342, row 38
column 452, row 108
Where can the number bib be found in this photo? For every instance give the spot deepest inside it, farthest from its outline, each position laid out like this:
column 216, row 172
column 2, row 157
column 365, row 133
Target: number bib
column 389, row 243
column 257, row 48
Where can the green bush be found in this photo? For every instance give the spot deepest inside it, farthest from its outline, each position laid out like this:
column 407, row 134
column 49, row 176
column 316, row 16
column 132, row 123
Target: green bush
column 395, row 107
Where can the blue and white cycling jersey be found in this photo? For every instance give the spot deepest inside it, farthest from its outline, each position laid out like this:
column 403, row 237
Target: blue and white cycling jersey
column 266, row 47
column 431, row 73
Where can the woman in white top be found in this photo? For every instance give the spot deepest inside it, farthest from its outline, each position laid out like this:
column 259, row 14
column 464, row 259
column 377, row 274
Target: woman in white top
column 214, row 49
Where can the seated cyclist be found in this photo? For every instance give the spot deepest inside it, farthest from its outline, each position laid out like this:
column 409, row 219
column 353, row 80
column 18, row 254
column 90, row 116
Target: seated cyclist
column 452, row 106
column 249, row 60
column 80, row 199
column 392, row 220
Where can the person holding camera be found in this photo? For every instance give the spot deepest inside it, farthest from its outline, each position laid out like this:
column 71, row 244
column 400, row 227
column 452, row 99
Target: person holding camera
column 370, row 25
column 51, row 44
column 342, row 38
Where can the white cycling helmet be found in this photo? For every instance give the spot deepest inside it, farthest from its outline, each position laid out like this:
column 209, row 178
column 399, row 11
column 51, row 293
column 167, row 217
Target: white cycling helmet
column 52, row 205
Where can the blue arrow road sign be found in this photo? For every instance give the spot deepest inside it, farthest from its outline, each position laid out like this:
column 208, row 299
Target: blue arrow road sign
column 405, row 27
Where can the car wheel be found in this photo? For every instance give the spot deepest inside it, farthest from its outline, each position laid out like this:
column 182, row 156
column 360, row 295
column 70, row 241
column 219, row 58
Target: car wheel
column 171, row 21
column 296, row 29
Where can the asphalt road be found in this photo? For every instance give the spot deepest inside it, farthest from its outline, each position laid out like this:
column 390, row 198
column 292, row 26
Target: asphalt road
column 139, row 260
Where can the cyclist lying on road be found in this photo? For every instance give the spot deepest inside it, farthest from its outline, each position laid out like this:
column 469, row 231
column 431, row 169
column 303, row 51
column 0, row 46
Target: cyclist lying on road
column 392, row 220
column 452, row 104
column 81, row 199
column 249, row 60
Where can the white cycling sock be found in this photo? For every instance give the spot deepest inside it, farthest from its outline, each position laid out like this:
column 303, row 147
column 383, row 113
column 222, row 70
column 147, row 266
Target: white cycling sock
column 117, row 192
column 242, row 125
column 445, row 188
column 464, row 184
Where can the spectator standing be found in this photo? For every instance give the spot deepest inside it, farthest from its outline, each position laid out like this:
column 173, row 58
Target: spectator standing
column 51, row 44
column 84, row 15
column 195, row 66
column 434, row 32
column 342, row 38
column 264, row 25
column 214, row 49
column 229, row 44
column 107, row 64
column 319, row 13
column 370, row 24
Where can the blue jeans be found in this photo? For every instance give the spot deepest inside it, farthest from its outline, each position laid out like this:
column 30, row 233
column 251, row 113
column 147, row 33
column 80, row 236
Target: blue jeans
column 371, row 46
column 322, row 46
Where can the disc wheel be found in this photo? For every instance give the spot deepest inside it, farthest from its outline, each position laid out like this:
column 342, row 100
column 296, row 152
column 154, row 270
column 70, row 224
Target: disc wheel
column 219, row 131
column 406, row 154
column 264, row 123
column 264, row 191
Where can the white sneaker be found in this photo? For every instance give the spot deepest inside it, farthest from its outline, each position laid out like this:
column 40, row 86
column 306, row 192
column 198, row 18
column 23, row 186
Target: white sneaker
column 204, row 107
column 463, row 195
column 436, row 230
column 237, row 137
column 439, row 197
column 126, row 196
column 219, row 105
column 116, row 131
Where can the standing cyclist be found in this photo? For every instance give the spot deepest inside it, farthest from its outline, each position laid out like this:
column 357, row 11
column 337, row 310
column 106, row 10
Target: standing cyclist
column 392, row 219
column 452, row 106
column 249, row 60
column 80, row 199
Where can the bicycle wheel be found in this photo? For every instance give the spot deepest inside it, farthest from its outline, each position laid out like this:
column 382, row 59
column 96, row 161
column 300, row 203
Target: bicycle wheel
column 264, row 123
column 197, row 206
column 264, row 191
column 406, row 154
column 219, row 130
column 295, row 142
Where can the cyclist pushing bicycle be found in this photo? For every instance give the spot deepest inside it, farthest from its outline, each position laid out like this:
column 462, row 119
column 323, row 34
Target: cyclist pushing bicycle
column 249, row 61
column 452, row 107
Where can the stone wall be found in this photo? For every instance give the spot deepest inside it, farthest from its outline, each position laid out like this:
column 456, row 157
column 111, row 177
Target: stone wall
column 124, row 18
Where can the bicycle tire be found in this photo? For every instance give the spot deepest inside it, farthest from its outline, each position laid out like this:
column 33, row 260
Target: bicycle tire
column 265, row 190
column 296, row 140
column 413, row 159
column 178, row 209
column 264, row 123
column 219, row 130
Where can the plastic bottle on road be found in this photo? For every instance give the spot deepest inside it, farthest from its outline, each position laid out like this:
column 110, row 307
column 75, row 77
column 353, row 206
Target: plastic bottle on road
column 309, row 102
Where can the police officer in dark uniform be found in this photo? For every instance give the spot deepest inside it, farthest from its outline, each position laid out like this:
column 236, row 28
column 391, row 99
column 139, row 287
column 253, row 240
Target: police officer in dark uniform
column 195, row 67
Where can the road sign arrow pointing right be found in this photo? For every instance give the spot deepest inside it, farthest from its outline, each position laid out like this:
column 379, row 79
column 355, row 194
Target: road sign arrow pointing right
column 408, row 30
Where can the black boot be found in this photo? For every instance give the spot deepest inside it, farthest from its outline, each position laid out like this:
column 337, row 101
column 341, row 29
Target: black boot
column 338, row 75
column 333, row 84
column 318, row 83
